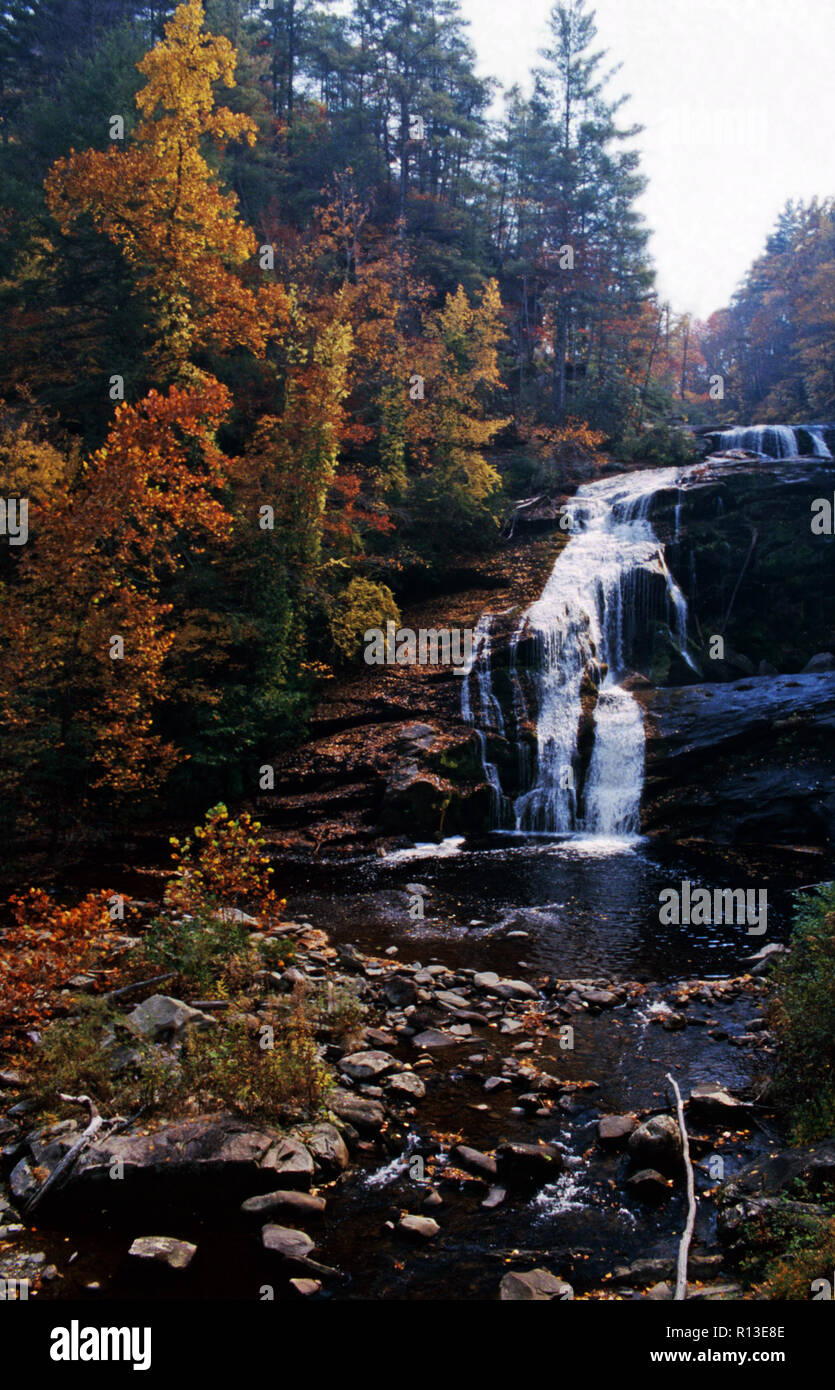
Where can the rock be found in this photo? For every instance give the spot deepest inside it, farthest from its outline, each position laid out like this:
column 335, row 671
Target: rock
column 405, row 1083
column 656, row 1143
column 418, row 1227
column 328, row 1148
column 659, row 1293
column 821, row 661
column 433, row 1199
column 367, row 1066
column 497, row 1083
column 162, row 1019
column 614, row 1130
column 528, row 1165
column 194, row 1156
column 22, row 1182
column 177, row 1254
column 711, row 1102
column 473, row 1160
column 494, row 1198
column 813, row 1166
column 649, row 1185
column 515, row 989
column 486, row 979
column 289, row 1244
column 400, row 990
column 601, row 998
column 290, row 1163
column 431, row 1038
column 300, row 1204
column 365, row 1115
column 306, row 1287
column 451, row 1000
column 537, row 1285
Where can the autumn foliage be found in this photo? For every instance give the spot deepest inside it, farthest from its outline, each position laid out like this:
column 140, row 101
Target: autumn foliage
column 43, row 948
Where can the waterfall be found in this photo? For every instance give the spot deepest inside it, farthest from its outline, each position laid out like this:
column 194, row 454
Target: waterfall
column 595, row 604
column 777, row 441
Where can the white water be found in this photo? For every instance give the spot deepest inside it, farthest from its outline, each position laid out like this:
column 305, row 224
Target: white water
column 592, row 607
column 776, row 441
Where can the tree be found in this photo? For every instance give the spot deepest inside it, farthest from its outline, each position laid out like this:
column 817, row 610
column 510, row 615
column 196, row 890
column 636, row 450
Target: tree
column 159, row 201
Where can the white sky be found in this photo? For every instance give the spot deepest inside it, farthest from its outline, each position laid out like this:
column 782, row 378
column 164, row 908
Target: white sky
column 736, row 97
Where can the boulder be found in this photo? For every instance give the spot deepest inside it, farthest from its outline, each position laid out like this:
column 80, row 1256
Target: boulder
column 406, row 1084
column 656, row 1143
column 289, row 1244
column 649, row 1185
column 291, row 1165
column 163, row 1019
column 367, row 1116
column 418, row 1227
column 431, row 1038
column 474, row 1161
column 367, row 1066
column 299, row 1204
column 176, row 1254
column 528, row 1165
column 400, row 990
column 614, row 1130
column 535, row 1286
column 329, row 1150
column 710, row 1102
column 821, row 661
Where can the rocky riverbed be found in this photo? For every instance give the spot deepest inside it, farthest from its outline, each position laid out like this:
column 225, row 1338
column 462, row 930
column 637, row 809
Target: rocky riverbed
column 474, row 1144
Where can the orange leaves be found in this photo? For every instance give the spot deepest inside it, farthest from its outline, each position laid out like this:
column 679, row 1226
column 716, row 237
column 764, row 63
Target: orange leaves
column 47, row 945
column 159, row 202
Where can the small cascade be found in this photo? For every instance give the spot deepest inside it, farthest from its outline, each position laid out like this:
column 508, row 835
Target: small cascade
column 602, row 595
column 777, row 441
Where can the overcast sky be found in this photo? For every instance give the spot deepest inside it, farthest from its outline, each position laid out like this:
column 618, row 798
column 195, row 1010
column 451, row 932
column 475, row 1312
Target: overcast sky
column 736, row 98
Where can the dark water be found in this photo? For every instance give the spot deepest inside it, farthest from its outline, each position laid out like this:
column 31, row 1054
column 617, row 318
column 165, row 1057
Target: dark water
column 589, row 907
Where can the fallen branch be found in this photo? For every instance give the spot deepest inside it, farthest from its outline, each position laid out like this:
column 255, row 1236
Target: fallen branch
column 684, row 1247
column 69, row 1158
column 140, row 984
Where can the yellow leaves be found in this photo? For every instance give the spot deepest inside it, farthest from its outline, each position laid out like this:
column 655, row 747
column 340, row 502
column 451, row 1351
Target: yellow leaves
column 159, row 202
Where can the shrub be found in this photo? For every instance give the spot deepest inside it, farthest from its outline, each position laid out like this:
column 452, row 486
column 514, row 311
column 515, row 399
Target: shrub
column 803, row 1018
column 363, row 605
column 46, row 945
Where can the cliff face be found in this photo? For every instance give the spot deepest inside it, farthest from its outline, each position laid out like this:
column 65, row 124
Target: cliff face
column 739, row 747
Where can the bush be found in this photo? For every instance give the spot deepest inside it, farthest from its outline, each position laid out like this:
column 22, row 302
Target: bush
column 363, row 605
column 803, row 1018
column 661, row 444
column 46, row 945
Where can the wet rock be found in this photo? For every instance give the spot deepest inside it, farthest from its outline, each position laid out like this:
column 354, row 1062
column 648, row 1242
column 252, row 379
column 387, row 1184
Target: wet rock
column 486, row 979
column 775, row 1173
column 328, row 1148
column 431, row 1038
column 367, row 1116
column 600, row 998
column 656, row 1143
column 405, row 1083
column 515, row 989
column 176, row 1254
column 286, row 1242
column 306, row 1287
column 649, row 1185
column 367, row 1066
column 290, row 1163
column 474, row 1161
column 535, row 1286
column 497, row 1083
column 163, row 1019
column 299, row 1204
column 494, row 1198
column 528, row 1165
column 659, row 1293
column 418, row 1228
column 614, row 1130
column 22, row 1182
column 710, row 1102
column 821, row 661
column 400, row 991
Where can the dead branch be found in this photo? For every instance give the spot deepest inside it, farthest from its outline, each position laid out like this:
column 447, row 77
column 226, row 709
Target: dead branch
column 684, row 1247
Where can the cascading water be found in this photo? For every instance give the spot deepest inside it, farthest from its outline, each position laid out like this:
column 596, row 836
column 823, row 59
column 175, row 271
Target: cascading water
column 585, row 624
column 778, row 441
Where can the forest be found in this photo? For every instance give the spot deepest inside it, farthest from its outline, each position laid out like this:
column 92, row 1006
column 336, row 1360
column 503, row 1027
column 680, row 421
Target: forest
column 280, row 288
